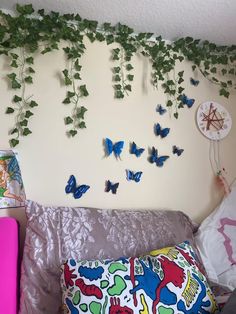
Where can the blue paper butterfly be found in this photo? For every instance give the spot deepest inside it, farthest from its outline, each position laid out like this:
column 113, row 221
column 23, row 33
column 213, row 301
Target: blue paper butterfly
column 76, row 191
column 160, row 110
column 177, row 151
column 194, row 82
column 135, row 176
column 158, row 160
column 187, row 101
column 111, row 186
column 162, row 132
column 136, row 151
column 116, row 148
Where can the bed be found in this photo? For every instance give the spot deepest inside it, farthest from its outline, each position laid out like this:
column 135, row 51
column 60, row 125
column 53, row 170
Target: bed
column 65, row 246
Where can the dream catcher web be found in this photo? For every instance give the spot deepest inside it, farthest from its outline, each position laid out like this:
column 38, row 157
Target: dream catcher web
column 215, row 123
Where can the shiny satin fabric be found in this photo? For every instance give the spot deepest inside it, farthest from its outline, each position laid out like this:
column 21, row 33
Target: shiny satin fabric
column 55, row 234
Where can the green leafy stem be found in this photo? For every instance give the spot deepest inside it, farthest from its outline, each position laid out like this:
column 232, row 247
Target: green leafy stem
column 29, row 31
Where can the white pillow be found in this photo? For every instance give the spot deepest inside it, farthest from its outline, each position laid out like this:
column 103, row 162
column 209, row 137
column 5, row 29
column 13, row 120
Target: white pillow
column 216, row 242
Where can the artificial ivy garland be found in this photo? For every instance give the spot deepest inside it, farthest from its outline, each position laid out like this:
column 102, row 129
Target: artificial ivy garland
column 24, row 34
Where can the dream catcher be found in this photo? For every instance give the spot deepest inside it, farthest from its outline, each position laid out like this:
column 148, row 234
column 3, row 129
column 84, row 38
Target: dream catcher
column 214, row 122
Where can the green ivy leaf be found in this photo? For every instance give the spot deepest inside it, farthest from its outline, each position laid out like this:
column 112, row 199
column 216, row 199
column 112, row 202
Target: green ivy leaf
column 117, row 78
column 66, row 100
column 14, row 64
column 130, row 77
column 77, row 66
column 169, row 103
column 11, row 76
column 116, row 69
column 13, row 142
column 128, row 87
column 83, row 91
column 176, row 115
column 70, row 94
column 181, row 73
column 33, row 104
column 181, row 80
column 31, row 70
column 28, row 114
column 9, row 110
column 77, row 76
column 119, row 94
column 14, row 56
column 67, row 81
column 26, row 132
column 15, row 130
column 29, row 60
column 15, row 84
column 24, row 9
column 68, row 120
column 129, row 67
column 73, row 132
column 180, row 90
column 29, row 79
column 81, row 112
column 24, row 122
column 17, row 98
column 82, row 125
column 224, row 92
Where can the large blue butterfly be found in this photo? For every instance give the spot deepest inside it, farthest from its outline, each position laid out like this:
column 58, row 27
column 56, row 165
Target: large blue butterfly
column 162, row 132
column 194, row 82
column 160, row 110
column 135, row 176
column 76, row 191
column 158, row 160
column 111, row 186
column 177, row 151
column 116, row 148
column 135, row 150
column 187, row 101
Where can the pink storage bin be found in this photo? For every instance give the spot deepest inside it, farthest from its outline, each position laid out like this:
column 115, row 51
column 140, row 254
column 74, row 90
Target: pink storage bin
column 9, row 244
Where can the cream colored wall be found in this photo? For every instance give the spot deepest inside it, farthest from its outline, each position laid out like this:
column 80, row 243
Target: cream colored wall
column 48, row 157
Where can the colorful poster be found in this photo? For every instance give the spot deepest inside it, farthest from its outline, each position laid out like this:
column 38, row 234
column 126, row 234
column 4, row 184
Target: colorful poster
column 12, row 193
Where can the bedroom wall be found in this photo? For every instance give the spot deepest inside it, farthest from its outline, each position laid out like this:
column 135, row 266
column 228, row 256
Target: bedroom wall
column 48, row 157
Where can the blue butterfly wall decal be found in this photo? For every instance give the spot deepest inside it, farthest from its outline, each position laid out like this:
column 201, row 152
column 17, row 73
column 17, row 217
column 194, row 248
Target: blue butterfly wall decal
column 160, row 110
column 116, row 148
column 177, row 151
column 77, row 191
column 158, row 160
column 135, row 150
column 194, row 82
column 187, row 101
column 111, row 186
column 162, row 132
column 135, row 176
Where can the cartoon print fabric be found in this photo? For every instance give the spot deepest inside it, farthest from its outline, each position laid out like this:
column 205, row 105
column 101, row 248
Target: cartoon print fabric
column 12, row 192
column 165, row 281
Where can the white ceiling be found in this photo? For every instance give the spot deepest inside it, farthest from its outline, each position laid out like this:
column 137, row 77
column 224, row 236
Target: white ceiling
column 214, row 20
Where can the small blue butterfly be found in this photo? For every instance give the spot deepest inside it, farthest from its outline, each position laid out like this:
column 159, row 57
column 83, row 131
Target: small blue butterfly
column 135, row 150
column 194, row 82
column 160, row 110
column 76, row 191
column 116, row 148
column 159, row 161
column 187, row 101
column 130, row 175
column 111, row 186
column 162, row 132
column 177, row 150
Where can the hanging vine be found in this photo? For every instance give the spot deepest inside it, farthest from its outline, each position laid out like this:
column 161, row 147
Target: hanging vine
column 26, row 32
